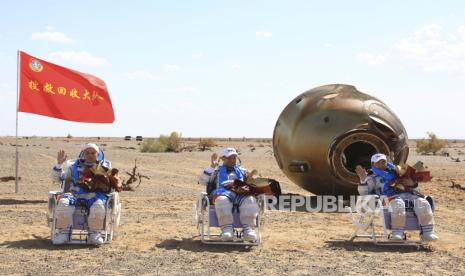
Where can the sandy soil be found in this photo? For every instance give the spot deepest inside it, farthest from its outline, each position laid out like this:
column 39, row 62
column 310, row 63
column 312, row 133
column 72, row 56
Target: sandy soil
column 158, row 234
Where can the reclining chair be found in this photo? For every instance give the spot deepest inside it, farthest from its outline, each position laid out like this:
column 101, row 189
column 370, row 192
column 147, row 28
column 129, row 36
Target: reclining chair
column 369, row 208
column 207, row 221
column 79, row 232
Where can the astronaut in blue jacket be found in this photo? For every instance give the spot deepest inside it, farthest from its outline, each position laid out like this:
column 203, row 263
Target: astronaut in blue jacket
column 379, row 182
column 69, row 172
column 222, row 178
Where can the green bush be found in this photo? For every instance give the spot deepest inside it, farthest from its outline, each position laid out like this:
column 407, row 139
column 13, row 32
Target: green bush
column 69, row 136
column 430, row 145
column 171, row 143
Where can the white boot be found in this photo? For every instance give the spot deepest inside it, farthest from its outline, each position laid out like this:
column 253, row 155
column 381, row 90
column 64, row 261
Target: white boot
column 227, row 233
column 427, row 233
column 397, row 235
column 95, row 238
column 61, row 237
column 430, row 237
column 249, row 234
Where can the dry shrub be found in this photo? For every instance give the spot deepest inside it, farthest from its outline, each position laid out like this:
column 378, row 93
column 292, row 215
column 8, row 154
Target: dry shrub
column 152, row 145
column 207, row 144
column 430, row 145
column 173, row 142
column 164, row 143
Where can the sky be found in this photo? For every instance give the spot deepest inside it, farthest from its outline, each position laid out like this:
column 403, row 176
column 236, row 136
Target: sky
column 228, row 68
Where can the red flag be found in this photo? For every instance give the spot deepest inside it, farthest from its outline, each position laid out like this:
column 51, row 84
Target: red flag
column 55, row 91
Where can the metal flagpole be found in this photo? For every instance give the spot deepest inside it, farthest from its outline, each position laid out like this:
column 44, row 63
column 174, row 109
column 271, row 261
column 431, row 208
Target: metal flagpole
column 17, row 107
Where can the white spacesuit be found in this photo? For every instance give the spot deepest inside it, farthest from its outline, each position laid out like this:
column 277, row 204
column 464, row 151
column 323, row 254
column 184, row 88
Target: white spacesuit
column 69, row 173
column 217, row 180
column 376, row 184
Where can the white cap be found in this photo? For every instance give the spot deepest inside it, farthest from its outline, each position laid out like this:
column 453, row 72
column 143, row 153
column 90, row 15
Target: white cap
column 229, row 151
column 91, row 145
column 376, row 157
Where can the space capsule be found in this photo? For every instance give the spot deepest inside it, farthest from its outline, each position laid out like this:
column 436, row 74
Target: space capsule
column 324, row 133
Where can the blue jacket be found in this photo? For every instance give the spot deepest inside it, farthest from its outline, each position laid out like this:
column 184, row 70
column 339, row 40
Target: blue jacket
column 222, row 179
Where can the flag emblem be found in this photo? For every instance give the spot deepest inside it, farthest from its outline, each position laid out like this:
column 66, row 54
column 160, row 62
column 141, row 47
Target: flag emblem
column 36, row 66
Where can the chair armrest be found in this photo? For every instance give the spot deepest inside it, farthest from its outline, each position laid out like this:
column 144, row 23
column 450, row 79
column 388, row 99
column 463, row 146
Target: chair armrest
column 203, row 195
column 55, row 193
column 368, row 204
column 261, row 197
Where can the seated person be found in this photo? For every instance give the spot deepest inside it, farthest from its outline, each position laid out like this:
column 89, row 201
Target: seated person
column 379, row 182
column 222, row 186
column 77, row 177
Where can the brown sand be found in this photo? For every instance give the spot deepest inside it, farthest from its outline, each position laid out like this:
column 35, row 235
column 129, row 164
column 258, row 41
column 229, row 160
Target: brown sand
column 158, row 235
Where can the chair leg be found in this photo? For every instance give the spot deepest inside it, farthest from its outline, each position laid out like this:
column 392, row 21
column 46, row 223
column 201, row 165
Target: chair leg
column 354, row 235
column 373, row 233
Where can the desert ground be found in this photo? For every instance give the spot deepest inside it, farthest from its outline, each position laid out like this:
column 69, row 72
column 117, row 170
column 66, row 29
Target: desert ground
column 158, row 234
